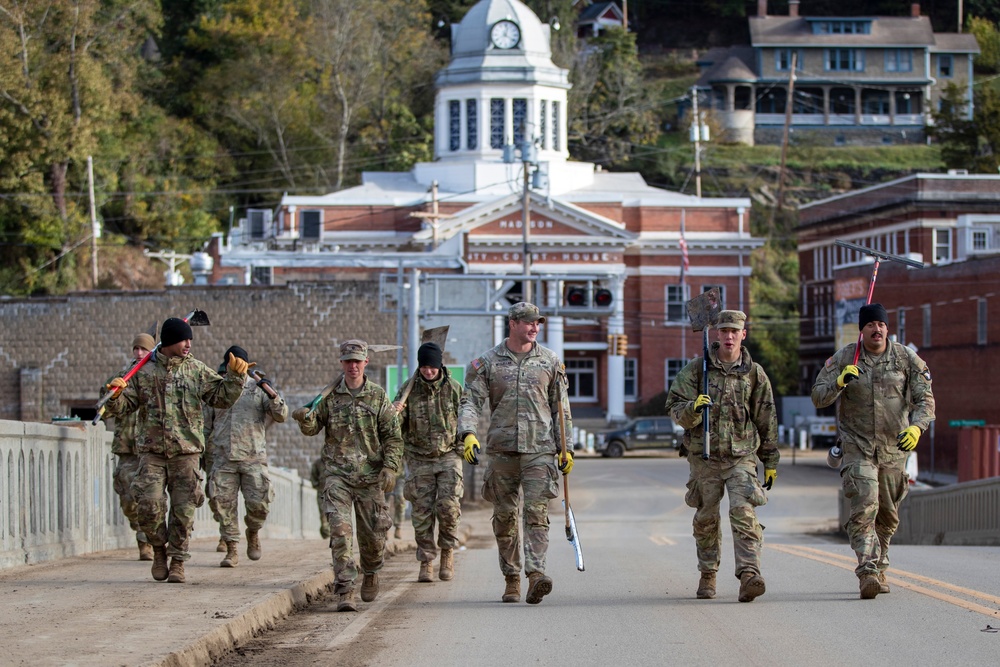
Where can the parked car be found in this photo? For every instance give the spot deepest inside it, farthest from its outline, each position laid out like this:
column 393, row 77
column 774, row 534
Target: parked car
column 640, row 433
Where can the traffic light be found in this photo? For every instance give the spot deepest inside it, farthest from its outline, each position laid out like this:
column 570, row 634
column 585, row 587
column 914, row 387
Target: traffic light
column 603, row 298
column 576, row 296
column 579, row 297
column 621, row 345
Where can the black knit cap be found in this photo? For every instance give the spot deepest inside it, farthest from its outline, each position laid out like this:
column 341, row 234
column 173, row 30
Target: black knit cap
column 873, row 312
column 173, row 331
column 237, row 351
column 429, row 354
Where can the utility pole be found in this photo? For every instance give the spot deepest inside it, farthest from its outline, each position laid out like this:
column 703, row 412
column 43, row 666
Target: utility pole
column 696, row 129
column 784, row 139
column 434, row 217
column 525, row 216
column 95, row 229
column 625, row 15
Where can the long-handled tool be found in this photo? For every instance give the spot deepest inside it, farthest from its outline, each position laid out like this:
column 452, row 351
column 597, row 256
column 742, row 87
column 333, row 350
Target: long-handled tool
column 571, row 534
column 311, row 405
column 196, row 318
column 703, row 310
column 258, row 376
column 437, row 335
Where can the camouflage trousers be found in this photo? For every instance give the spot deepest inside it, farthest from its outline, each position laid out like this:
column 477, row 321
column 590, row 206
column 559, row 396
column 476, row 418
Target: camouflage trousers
column 435, row 488
column 396, row 501
column 507, row 476
column 324, row 522
column 181, row 477
column 708, row 481
column 125, row 470
column 229, row 478
column 875, row 492
column 368, row 503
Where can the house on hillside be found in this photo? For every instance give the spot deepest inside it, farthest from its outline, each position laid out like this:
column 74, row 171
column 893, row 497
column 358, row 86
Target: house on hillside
column 502, row 214
column 951, row 222
column 857, row 80
column 596, row 17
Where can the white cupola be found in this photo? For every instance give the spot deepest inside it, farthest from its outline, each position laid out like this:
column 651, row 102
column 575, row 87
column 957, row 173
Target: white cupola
column 501, row 87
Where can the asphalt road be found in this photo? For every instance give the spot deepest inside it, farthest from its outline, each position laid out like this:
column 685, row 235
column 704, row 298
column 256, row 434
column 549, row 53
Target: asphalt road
column 635, row 603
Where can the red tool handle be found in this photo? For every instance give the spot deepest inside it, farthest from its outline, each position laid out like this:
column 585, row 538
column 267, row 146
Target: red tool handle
column 871, row 289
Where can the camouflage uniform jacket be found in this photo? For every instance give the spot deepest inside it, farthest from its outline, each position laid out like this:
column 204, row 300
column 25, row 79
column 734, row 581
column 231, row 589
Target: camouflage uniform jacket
column 362, row 433
column 892, row 392
column 238, row 433
column 742, row 413
column 125, row 427
column 524, row 399
column 171, row 391
column 429, row 420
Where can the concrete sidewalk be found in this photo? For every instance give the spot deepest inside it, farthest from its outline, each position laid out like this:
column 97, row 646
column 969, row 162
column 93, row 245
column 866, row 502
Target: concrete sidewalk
column 106, row 609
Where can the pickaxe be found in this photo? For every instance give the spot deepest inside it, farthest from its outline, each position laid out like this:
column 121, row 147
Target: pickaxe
column 704, row 312
column 196, row 318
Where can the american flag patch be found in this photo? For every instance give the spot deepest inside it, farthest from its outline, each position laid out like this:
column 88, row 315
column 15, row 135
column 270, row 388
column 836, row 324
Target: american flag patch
column 829, row 362
column 477, row 364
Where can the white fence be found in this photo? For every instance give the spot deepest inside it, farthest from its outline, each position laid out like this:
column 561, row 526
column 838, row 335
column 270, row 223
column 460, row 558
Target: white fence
column 57, row 497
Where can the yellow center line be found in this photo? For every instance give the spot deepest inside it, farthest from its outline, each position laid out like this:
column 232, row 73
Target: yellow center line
column 837, row 561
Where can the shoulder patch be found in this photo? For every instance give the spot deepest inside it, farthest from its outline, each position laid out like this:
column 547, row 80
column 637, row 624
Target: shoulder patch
column 829, row 362
column 477, row 363
column 927, row 374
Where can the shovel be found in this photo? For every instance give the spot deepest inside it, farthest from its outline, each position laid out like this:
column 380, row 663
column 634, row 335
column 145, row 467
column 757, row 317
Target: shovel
column 571, row 534
column 311, row 405
column 196, row 318
column 438, row 335
column 704, row 311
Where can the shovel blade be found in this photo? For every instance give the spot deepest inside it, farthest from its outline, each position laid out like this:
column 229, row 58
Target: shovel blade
column 704, row 309
column 199, row 318
column 437, row 335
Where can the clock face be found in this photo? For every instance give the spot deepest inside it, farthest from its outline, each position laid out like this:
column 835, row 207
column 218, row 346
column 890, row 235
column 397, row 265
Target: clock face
column 505, row 34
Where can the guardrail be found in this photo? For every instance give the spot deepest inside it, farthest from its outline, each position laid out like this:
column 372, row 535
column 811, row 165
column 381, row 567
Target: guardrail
column 57, row 497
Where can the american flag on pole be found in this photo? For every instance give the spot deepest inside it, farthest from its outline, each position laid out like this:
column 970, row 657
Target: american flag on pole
column 685, row 266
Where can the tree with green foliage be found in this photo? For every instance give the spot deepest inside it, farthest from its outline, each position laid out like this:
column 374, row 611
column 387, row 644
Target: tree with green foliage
column 969, row 143
column 988, row 38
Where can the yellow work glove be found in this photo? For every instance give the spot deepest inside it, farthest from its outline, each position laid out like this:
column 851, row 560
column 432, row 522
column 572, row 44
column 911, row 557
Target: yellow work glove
column 907, row 439
column 239, row 366
column 387, row 480
column 702, row 401
column 471, row 449
column 849, row 373
column 769, row 476
column 116, row 385
column 566, row 462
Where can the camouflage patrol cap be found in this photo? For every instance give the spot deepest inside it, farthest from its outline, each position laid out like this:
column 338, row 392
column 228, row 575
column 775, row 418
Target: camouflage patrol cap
column 525, row 312
column 353, row 349
column 731, row 319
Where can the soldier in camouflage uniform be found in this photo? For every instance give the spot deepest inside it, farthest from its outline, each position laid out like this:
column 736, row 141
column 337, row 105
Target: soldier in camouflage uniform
column 362, row 456
column 429, row 422
column 123, row 446
column 237, row 436
column 396, row 501
column 884, row 404
column 743, row 427
column 524, row 385
column 317, row 476
column 169, row 392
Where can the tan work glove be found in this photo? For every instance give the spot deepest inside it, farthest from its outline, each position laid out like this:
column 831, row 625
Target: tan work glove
column 387, row 480
column 239, row 366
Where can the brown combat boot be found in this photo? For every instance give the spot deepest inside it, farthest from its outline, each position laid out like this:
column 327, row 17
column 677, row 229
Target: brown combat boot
column 176, row 571
column 751, row 586
column 447, row 570
column 883, row 585
column 869, row 586
column 232, row 558
column 369, row 587
column 425, row 572
column 221, row 546
column 253, row 545
column 159, row 569
column 347, row 602
column 706, row 586
column 512, row 593
column 145, row 551
column 538, row 587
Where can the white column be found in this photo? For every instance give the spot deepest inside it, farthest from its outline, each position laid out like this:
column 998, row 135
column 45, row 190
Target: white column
column 555, row 326
column 414, row 320
column 616, row 364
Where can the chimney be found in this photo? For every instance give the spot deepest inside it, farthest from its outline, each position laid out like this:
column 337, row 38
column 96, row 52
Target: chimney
column 915, row 10
column 761, row 8
column 793, row 8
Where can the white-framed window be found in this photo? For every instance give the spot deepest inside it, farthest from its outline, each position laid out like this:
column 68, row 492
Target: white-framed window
column 942, row 246
column 631, row 378
column 543, row 108
column 841, row 27
column 472, row 124
column 520, row 111
column 676, row 301
column 783, row 59
column 898, row 60
column 844, row 60
column 926, row 308
column 454, row 125
column 981, row 322
column 901, row 326
column 946, row 66
column 258, row 220
column 671, row 367
column 980, row 240
column 555, row 126
column 311, row 226
column 498, row 116
column 581, row 378
column 262, row 275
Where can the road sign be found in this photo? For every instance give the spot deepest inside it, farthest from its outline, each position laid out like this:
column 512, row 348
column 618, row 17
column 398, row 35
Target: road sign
column 958, row 423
